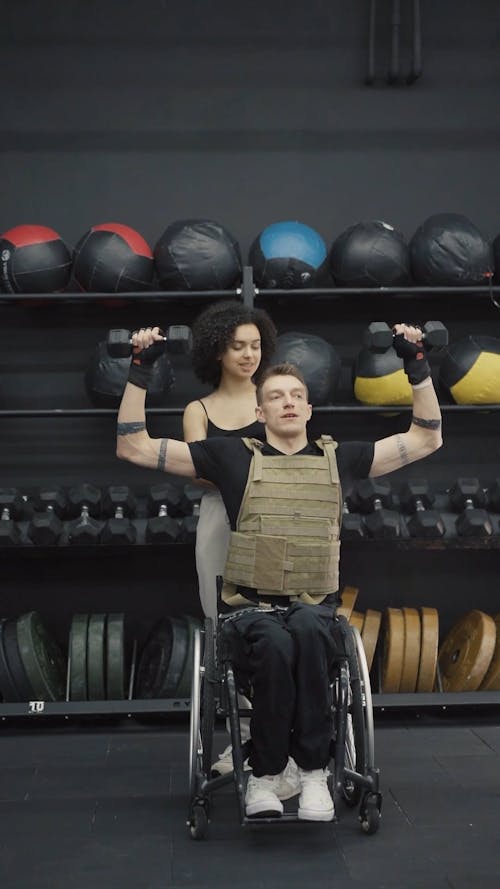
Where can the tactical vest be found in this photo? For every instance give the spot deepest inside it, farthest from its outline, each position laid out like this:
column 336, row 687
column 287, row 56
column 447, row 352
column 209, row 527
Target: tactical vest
column 287, row 537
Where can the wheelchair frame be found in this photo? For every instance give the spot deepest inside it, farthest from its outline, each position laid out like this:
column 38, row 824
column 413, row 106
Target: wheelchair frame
column 214, row 692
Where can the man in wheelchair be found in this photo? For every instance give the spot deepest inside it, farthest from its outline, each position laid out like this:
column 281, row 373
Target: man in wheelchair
column 284, row 502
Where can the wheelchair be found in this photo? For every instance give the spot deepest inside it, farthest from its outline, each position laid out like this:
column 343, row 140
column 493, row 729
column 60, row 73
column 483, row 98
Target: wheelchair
column 214, row 693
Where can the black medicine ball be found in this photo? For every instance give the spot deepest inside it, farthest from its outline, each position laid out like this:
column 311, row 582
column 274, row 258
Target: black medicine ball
column 34, row 260
column 470, row 371
column 370, row 254
column 106, row 378
column 316, row 358
column 448, row 250
column 112, row 258
column 197, row 254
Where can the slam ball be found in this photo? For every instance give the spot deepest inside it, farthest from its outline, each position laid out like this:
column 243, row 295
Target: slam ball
column 112, row 258
column 379, row 378
column 448, row 250
column 34, row 260
column 470, row 371
column 288, row 256
column 197, row 254
column 370, row 254
column 106, row 378
column 316, row 358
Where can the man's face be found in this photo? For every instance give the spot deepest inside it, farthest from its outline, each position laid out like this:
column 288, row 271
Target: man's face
column 284, row 407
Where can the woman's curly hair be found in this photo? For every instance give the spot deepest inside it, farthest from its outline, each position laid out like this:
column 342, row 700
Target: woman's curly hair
column 213, row 331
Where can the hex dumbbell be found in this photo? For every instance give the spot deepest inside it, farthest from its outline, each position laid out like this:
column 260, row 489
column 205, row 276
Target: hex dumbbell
column 416, row 500
column 13, row 509
column 45, row 527
column 119, row 505
column 178, row 341
column 468, row 498
column 84, row 502
column 379, row 337
column 161, row 528
column 373, row 497
column 352, row 527
column 191, row 499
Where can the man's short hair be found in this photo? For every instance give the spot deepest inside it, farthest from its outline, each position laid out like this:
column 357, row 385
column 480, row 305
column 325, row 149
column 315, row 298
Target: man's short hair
column 280, row 370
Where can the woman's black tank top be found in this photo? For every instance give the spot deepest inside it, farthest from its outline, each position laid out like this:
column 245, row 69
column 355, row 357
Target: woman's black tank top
column 253, row 430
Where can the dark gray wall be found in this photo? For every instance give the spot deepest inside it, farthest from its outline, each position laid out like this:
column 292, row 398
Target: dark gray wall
column 147, row 112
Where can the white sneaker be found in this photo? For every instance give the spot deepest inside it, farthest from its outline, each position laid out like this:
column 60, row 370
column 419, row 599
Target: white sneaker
column 261, row 798
column 224, row 764
column 315, row 801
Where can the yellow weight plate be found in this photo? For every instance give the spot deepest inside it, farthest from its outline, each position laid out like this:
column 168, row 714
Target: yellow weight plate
column 411, row 657
column 394, row 644
column 349, row 596
column 357, row 619
column 429, row 642
column 491, row 681
column 467, row 651
column 369, row 634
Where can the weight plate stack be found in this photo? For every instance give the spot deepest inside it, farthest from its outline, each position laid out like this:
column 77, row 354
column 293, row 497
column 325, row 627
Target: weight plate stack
column 357, row 620
column 13, row 656
column 7, row 688
column 348, row 597
column 467, row 652
column 183, row 689
column 429, row 642
column 42, row 658
column 393, row 649
column 162, row 659
column 78, row 690
column 115, row 657
column 96, row 680
column 411, row 656
column 491, row 681
column 369, row 634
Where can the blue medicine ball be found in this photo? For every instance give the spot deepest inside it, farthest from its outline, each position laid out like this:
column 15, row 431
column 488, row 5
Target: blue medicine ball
column 288, row 256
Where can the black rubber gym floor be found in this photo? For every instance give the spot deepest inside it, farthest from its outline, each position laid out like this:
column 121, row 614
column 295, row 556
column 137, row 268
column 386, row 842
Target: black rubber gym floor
column 106, row 808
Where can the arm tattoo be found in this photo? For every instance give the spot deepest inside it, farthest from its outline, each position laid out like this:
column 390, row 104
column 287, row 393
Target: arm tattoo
column 130, row 428
column 162, row 456
column 403, row 453
column 426, row 424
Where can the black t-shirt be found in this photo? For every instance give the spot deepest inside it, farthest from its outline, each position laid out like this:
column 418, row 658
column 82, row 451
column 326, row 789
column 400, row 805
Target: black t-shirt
column 226, row 462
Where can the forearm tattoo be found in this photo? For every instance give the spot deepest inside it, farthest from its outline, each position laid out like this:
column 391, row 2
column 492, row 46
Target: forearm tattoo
column 130, row 428
column 403, row 453
column 426, row 424
column 162, row 456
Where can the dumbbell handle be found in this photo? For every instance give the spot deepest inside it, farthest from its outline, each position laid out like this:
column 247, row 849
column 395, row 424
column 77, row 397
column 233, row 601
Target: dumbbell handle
column 119, row 342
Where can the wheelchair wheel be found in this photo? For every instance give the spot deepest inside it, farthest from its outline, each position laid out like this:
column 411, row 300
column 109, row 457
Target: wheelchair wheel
column 202, row 714
column 359, row 723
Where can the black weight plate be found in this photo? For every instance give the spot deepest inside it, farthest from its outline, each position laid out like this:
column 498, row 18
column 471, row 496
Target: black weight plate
column 115, row 657
column 11, row 648
column 154, row 660
column 183, row 689
column 180, row 645
column 96, row 684
column 7, row 688
column 42, row 658
column 78, row 658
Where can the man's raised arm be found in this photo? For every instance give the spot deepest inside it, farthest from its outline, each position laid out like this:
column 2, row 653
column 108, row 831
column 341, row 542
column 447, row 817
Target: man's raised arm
column 424, row 435
column 133, row 443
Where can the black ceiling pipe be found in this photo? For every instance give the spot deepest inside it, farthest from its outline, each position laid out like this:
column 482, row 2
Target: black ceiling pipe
column 416, row 62
column 393, row 75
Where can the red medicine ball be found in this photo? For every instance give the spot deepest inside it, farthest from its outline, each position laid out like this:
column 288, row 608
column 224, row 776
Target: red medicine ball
column 34, row 260
column 112, row 258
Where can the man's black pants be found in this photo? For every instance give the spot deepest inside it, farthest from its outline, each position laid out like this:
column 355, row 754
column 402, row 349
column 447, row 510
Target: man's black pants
column 286, row 657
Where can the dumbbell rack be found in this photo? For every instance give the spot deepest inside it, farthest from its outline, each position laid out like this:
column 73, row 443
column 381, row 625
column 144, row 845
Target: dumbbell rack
column 352, row 307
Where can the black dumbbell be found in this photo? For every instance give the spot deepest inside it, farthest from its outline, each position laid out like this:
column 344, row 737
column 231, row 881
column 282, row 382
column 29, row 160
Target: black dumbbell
column 189, row 525
column 379, row 337
column 468, row 498
column 416, row 499
column 178, row 341
column 45, row 527
column 352, row 527
column 373, row 497
column 191, row 495
column 119, row 505
column 13, row 508
column 84, row 502
column 161, row 527
column 494, row 496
